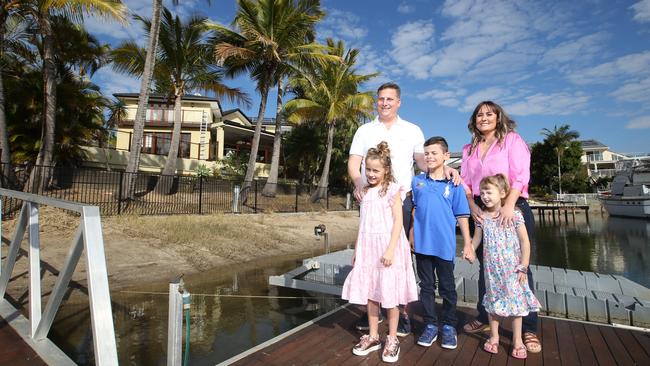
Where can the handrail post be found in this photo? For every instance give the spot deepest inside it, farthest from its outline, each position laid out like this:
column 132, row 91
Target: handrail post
column 175, row 324
column 34, row 268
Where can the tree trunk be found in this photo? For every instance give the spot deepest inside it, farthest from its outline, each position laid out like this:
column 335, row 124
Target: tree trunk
column 321, row 190
column 250, row 169
column 40, row 175
column 138, row 124
column 271, row 185
column 8, row 179
column 164, row 185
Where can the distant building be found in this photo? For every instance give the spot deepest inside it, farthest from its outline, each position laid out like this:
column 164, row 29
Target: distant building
column 599, row 159
column 208, row 134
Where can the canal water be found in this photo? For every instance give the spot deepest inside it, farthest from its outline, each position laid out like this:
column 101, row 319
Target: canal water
column 234, row 309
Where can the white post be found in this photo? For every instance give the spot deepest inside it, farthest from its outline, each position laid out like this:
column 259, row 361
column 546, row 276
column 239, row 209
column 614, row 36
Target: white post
column 348, row 201
column 175, row 325
column 235, row 199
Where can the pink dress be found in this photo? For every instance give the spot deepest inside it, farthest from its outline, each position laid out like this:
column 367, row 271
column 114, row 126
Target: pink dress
column 370, row 279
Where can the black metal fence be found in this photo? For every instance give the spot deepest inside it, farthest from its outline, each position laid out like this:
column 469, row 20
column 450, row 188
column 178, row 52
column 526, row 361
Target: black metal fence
column 189, row 194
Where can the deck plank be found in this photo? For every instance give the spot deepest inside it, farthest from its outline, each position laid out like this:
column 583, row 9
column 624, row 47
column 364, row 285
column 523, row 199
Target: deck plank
column 599, row 345
column 635, row 349
column 566, row 344
column 14, row 351
column 616, row 347
column 329, row 342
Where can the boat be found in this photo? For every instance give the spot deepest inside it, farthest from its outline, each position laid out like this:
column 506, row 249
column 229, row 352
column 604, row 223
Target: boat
column 630, row 189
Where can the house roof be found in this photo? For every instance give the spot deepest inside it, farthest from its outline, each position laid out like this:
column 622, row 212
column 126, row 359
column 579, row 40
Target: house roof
column 592, row 144
column 155, row 97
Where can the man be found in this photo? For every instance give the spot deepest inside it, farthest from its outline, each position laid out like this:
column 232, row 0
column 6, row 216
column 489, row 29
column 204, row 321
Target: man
column 406, row 143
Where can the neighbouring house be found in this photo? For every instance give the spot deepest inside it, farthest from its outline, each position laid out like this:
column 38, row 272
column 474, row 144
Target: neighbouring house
column 599, row 159
column 208, row 134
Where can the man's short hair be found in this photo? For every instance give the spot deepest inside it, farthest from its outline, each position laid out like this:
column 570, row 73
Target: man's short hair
column 437, row 140
column 390, row 85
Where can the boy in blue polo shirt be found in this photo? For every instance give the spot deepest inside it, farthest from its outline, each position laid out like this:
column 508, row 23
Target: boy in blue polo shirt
column 437, row 205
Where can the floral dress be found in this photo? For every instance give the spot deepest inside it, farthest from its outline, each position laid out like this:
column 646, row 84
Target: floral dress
column 504, row 295
column 369, row 279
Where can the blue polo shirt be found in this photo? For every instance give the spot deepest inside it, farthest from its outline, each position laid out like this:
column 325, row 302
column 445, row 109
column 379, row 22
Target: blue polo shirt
column 437, row 204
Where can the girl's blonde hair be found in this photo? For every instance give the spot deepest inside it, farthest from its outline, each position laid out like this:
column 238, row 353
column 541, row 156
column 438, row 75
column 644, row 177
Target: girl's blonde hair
column 498, row 180
column 504, row 123
column 382, row 153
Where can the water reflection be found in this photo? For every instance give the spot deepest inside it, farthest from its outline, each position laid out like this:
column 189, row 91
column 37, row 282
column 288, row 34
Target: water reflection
column 232, row 310
column 611, row 245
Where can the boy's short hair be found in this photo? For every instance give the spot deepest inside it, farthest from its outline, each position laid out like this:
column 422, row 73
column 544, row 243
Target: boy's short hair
column 437, row 140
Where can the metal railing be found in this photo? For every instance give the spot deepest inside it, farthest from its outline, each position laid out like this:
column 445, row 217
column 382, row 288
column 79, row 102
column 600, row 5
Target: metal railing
column 89, row 237
column 190, row 194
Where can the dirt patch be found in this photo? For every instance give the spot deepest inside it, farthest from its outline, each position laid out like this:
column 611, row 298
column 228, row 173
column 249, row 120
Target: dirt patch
column 157, row 248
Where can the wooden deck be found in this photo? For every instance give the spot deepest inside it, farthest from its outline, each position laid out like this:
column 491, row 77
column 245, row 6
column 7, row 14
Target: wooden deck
column 330, row 340
column 13, row 350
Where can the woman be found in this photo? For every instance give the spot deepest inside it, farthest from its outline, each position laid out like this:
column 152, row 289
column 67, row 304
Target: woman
column 497, row 148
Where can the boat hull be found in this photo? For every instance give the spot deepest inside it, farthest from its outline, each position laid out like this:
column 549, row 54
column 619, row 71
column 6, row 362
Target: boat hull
column 627, row 206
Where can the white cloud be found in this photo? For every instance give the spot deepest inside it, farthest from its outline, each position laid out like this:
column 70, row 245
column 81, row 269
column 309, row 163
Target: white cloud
column 494, row 93
column 413, row 44
column 639, row 123
column 637, row 64
column 584, row 47
column 405, row 8
column 633, row 91
column 342, row 24
column 562, row 103
column 444, row 97
column 641, row 11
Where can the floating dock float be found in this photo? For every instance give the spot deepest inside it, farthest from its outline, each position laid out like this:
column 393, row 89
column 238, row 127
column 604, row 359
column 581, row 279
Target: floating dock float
column 564, row 293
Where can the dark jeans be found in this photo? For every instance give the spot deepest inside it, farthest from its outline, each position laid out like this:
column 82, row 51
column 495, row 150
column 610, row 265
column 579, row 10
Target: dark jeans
column 407, row 207
column 429, row 267
column 530, row 320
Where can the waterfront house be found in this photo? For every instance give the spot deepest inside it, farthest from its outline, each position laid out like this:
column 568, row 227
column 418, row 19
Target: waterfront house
column 208, row 134
column 599, row 159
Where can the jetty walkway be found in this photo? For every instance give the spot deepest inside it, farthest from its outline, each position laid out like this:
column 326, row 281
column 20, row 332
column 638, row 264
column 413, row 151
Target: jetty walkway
column 329, row 341
column 14, row 350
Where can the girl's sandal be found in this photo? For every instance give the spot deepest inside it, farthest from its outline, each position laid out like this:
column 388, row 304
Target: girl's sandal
column 476, row 326
column 520, row 352
column 491, row 347
column 532, row 343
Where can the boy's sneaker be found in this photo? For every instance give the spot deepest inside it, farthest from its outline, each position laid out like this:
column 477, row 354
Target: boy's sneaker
column 391, row 350
column 404, row 325
column 429, row 335
column 366, row 345
column 362, row 323
column 449, row 339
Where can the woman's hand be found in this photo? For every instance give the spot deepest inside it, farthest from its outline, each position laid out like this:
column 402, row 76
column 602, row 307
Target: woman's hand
column 468, row 253
column 506, row 215
column 387, row 258
column 476, row 212
column 452, row 174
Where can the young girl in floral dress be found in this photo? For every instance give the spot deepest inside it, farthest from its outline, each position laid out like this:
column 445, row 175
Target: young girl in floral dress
column 506, row 254
column 382, row 273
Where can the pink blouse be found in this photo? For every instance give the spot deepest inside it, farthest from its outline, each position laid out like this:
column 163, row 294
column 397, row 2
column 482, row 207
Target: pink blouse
column 510, row 158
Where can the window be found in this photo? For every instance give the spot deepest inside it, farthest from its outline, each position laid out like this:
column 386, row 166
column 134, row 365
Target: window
column 158, row 143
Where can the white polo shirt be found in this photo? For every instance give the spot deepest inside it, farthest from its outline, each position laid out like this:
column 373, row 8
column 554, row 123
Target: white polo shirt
column 404, row 140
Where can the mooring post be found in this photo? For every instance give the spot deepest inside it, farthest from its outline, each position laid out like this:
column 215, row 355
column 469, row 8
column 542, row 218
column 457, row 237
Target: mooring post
column 348, row 201
column 175, row 324
column 235, row 199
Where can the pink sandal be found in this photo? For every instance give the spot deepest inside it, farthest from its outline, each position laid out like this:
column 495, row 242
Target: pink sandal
column 491, row 347
column 520, row 352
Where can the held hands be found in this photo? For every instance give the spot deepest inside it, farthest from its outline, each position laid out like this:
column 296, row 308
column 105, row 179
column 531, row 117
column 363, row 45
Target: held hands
column 468, row 253
column 387, row 258
column 358, row 189
column 522, row 277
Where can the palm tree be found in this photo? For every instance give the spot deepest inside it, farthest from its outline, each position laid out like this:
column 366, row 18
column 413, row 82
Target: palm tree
column 40, row 12
column 274, row 35
column 330, row 96
column 184, row 63
column 559, row 139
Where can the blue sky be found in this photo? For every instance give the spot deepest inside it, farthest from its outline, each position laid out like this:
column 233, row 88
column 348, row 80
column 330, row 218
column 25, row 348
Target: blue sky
column 585, row 63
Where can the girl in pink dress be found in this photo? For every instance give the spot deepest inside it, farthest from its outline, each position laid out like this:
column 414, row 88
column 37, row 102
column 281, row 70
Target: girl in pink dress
column 506, row 254
column 382, row 273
